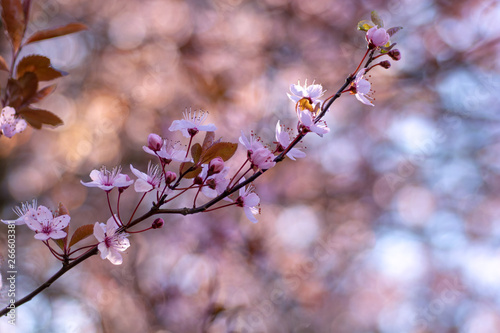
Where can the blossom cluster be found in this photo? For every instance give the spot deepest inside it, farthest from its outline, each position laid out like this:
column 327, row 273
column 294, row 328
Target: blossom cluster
column 10, row 123
column 199, row 167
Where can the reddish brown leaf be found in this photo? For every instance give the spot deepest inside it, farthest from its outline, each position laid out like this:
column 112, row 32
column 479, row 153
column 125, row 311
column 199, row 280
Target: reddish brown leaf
column 14, row 93
column 29, row 85
column 224, row 150
column 42, row 93
column 3, row 65
column 26, row 9
column 196, row 152
column 81, row 233
column 14, row 20
column 39, row 65
column 56, row 32
column 62, row 210
column 36, row 117
column 209, row 140
column 191, row 174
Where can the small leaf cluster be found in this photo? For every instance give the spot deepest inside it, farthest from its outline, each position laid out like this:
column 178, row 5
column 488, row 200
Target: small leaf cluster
column 22, row 87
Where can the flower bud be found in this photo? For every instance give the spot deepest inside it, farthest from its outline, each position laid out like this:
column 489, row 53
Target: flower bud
column 155, row 142
column 170, row 177
column 158, row 223
column 216, row 165
column 395, row 54
column 386, row 64
column 198, row 180
column 377, row 37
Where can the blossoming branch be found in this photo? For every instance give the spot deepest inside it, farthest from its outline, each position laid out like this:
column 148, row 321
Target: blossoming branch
column 198, row 166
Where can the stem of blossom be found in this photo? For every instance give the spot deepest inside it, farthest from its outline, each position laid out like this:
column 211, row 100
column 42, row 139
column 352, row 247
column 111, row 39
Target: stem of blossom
column 81, row 248
column 54, row 253
column 237, row 172
column 135, row 210
column 243, row 175
column 118, row 206
column 178, row 194
column 189, row 145
column 164, row 173
column 360, row 63
column 139, row 231
column 196, row 195
column 117, row 221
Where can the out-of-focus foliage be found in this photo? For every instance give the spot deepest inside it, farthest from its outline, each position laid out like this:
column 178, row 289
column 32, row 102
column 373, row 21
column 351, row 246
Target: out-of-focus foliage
column 389, row 225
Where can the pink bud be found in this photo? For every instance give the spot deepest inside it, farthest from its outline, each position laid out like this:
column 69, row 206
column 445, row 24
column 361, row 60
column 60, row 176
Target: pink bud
column 158, row 223
column 155, row 142
column 216, row 165
column 377, row 37
column 170, row 177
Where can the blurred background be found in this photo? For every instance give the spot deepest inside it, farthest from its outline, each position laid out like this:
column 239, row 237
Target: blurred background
column 389, row 225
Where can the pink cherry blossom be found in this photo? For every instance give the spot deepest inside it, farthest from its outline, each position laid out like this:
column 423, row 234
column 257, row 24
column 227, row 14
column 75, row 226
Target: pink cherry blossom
column 263, row 159
column 214, row 184
column 106, row 180
column 26, row 210
column 147, row 181
column 9, row 123
column 111, row 243
column 192, row 123
column 251, row 144
column 45, row 225
column 216, row 165
column 249, row 201
column 155, row 142
column 377, row 37
column 361, row 88
column 306, row 121
column 259, row 156
column 311, row 92
column 283, row 139
column 170, row 151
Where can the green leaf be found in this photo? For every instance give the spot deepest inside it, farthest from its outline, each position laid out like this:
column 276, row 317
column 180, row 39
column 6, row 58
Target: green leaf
column 376, row 19
column 3, row 65
column 56, row 32
column 224, row 150
column 14, row 20
column 39, row 65
column 37, row 117
column 196, row 151
column 365, row 25
column 81, row 233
